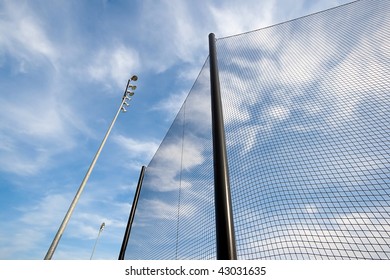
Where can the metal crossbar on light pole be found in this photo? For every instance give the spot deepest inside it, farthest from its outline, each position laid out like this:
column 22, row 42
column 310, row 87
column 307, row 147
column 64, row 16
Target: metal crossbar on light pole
column 129, row 92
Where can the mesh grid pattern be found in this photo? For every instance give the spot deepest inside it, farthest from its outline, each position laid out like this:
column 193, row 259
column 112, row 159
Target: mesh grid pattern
column 175, row 212
column 307, row 129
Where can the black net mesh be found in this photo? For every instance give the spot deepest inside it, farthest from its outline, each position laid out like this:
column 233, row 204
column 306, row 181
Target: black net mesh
column 175, row 213
column 307, row 128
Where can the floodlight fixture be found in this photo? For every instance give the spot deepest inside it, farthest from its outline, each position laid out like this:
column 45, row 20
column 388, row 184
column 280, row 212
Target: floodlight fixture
column 125, row 103
column 134, row 78
column 123, row 110
column 102, row 226
column 132, row 87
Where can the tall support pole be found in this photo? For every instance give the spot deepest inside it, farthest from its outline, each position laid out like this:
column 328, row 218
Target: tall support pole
column 76, row 198
column 94, row 246
column 226, row 244
column 132, row 214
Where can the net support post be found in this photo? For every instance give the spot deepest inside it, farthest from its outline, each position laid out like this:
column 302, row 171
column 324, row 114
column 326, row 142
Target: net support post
column 225, row 237
column 132, row 214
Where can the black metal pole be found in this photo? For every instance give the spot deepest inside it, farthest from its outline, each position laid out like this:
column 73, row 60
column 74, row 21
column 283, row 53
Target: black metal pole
column 226, row 244
column 131, row 216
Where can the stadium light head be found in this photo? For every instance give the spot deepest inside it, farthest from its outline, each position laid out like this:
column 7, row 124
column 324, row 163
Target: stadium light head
column 134, row 78
column 130, row 93
column 123, row 109
column 132, row 87
column 125, row 103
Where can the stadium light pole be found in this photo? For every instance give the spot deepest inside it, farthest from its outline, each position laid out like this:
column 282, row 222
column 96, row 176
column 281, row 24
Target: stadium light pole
column 129, row 92
column 100, row 231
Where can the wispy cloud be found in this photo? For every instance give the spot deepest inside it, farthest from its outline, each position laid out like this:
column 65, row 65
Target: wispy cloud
column 174, row 32
column 24, row 37
column 33, row 224
column 172, row 104
column 170, row 156
column 113, row 64
column 33, row 133
column 157, row 209
column 232, row 17
column 136, row 148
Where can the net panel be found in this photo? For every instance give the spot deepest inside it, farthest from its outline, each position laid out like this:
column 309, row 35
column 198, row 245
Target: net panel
column 306, row 107
column 307, row 129
column 175, row 212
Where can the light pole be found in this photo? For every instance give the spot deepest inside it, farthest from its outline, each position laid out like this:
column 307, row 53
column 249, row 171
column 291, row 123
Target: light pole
column 129, row 92
column 100, row 230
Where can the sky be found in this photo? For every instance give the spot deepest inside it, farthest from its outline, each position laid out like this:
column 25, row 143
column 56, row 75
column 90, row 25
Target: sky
column 63, row 69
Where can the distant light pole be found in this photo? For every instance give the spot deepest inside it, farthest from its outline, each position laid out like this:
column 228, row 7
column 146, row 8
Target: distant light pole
column 129, row 92
column 100, row 230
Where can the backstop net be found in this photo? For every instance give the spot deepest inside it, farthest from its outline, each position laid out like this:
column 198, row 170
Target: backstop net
column 306, row 111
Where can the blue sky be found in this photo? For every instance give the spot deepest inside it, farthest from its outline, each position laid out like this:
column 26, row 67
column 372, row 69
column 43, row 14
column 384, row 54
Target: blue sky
column 63, row 69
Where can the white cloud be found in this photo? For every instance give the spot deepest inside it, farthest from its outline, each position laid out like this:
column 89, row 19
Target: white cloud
column 232, row 17
column 178, row 153
column 158, row 209
column 354, row 235
column 38, row 120
column 198, row 110
column 278, row 113
column 19, row 154
column 264, row 88
column 39, row 216
column 22, row 164
column 347, row 93
column 176, row 30
column 34, row 131
column 311, row 208
column 175, row 157
column 24, row 37
column 171, row 104
column 136, row 148
column 33, row 230
column 113, row 64
column 28, row 231
column 253, row 134
column 20, row 243
column 86, row 224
